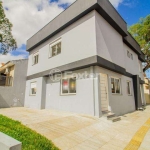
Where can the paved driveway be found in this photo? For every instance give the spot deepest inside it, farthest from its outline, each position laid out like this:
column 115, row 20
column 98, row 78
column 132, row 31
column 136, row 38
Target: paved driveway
column 71, row 131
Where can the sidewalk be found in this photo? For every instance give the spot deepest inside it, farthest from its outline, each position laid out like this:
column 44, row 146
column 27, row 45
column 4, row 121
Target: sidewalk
column 71, row 131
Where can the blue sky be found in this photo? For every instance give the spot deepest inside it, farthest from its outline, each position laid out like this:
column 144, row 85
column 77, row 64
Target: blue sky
column 130, row 10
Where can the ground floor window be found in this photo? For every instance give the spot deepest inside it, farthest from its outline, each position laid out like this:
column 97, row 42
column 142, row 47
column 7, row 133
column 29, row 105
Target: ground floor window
column 115, row 86
column 129, row 87
column 33, row 88
column 68, row 86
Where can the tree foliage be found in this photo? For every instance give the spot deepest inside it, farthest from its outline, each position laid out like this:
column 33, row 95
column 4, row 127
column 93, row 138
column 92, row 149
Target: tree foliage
column 141, row 32
column 7, row 42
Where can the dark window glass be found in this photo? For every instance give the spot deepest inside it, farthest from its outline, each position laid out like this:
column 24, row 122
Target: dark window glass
column 112, row 85
column 117, row 85
column 128, row 88
column 56, row 49
column 59, row 48
column 65, row 86
column 72, row 85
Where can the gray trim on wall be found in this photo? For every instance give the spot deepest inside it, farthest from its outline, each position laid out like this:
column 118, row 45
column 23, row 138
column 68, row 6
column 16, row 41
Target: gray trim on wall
column 137, row 93
column 141, row 81
column 87, row 62
column 76, row 11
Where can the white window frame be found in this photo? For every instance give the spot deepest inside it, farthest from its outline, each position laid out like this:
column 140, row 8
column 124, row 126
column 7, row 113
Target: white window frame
column 129, row 87
column 33, row 60
column 31, row 88
column 64, row 94
column 53, row 44
column 115, row 88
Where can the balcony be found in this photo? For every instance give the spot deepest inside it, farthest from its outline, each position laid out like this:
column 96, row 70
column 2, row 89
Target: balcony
column 6, row 81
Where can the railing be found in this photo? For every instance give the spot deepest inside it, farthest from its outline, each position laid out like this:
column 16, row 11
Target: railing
column 6, row 81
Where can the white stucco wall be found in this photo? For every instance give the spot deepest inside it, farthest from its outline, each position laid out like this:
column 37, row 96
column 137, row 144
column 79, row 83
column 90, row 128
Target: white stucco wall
column 111, row 47
column 78, row 42
column 121, row 103
column 81, row 102
column 36, row 101
column 131, row 66
column 141, row 74
column 109, row 42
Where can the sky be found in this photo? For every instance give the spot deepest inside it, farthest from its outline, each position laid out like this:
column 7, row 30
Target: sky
column 29, row 16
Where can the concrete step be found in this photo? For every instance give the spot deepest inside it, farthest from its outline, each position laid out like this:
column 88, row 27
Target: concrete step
column 105, row 112
column 115, row 119
column 109, row 115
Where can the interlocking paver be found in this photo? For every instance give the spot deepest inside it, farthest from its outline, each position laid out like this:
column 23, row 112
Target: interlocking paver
column 71, row 131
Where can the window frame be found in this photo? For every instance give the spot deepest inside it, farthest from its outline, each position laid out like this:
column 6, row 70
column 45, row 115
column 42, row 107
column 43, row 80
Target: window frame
column 128, row 54
column 131, row 56
column 30, row 92
column 34, row 55
column 54, row 43
column 129, row 87
column 115, row 78
column 61, row 88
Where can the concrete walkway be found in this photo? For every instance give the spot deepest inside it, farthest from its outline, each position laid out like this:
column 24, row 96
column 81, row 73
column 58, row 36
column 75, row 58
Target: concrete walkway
column 71, row 131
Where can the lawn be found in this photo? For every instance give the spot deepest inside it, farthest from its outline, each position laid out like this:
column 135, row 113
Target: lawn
column 29, row 138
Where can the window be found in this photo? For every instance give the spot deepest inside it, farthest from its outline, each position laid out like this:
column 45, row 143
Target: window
column 33, row 88
column 129, row 87
column 35, row 58
column 115, row 86
column 55, row 49
column 130, row 55
column 68, row 86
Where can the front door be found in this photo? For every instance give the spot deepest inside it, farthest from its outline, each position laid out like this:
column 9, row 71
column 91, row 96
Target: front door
column 104, row 92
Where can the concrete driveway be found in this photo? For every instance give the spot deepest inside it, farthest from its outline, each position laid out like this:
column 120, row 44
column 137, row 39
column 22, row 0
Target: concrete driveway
column 71, row 131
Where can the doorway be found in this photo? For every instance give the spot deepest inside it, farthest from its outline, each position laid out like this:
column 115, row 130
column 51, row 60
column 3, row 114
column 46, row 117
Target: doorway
column 104, row 92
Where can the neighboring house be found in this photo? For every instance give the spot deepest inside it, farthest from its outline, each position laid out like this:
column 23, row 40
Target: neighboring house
column 12, row 83
column 89, row 38
column 147, row 90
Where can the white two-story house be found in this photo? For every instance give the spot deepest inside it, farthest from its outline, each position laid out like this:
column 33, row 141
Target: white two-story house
column 97, row 60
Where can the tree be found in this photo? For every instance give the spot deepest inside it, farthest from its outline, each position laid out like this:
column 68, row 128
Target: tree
column 7, row 42
column 141, row 32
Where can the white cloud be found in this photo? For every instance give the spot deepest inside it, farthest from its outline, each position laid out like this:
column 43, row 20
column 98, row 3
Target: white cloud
column 116, row 3
column 9, row 57
column 27, row 19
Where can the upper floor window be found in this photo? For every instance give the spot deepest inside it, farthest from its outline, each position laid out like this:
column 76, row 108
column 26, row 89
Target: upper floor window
column 129, row 87
column 130, row 55
column 55, row 48
column 35, row 58
column 115, row 85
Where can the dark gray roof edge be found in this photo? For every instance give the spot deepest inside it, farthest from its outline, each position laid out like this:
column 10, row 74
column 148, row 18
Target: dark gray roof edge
column 77, row 10
column 70, row 6
column 51, row 20
column 84, row 63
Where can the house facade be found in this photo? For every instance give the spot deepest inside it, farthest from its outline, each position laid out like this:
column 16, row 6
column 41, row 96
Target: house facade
column 13, row 83
column 147, row 90
column 98, row 62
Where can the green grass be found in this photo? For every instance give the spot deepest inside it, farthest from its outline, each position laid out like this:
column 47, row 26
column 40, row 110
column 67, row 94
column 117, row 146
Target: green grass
column 29, row 138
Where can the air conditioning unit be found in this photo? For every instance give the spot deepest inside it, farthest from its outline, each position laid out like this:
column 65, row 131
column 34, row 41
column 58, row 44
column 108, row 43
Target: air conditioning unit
column 6, row 71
